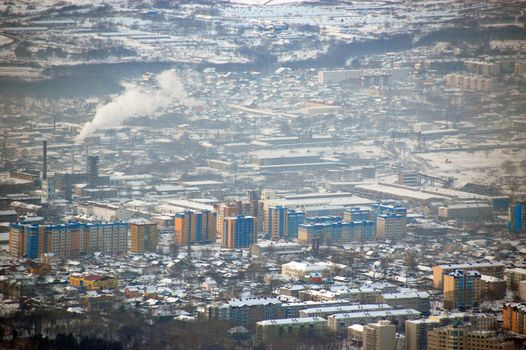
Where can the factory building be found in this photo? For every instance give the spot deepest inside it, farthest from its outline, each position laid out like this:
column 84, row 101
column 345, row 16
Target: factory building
column 466, row 211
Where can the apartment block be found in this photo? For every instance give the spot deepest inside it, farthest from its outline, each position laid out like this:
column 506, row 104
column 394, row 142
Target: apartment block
column 469, row 82
column 408, row 300
column 494, row 269
column 514, row 318
column 337, row 232
column 238, row 232
column 338, row 323
column 462, row 289
column 459, row 337
column 143, row 237
column 391, row 226
column 195, row 227
column 244, row 312
column 416, row 333
column 290, row 327
column 379, row 336
column 67, row 240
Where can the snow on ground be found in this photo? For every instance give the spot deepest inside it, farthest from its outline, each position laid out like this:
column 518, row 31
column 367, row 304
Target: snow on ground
column 480, row 166
column 4, row 40
column 267, row 2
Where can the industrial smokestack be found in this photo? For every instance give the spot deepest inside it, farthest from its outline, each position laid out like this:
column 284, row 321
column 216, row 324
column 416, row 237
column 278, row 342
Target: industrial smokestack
column 44, row 160
column 93, row 171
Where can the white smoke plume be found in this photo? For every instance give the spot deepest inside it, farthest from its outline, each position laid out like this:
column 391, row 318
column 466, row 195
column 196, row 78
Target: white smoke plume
column 137, row 101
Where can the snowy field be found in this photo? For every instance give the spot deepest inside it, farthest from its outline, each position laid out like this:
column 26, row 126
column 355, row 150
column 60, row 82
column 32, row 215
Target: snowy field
column 481, row 166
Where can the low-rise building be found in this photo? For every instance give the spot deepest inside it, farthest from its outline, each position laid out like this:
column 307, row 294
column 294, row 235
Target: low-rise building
column 408, row 300
column 302, row 269
column 325, row 311
column 338, row 323
column 91, row 281
column 271, row 329
column 269, row 248
column 244, row 312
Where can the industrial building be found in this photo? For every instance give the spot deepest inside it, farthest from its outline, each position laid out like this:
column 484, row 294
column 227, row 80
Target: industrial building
column 466, row 211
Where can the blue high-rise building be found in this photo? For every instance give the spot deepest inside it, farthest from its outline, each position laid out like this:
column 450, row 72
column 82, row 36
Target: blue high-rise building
column 295, row 218
column 24, row 240
column 517, row 217
column 238, row 232
column 31, row 236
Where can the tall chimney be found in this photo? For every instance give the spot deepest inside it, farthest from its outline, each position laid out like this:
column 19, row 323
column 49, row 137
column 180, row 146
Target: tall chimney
column 44, row 160
column 93, row 171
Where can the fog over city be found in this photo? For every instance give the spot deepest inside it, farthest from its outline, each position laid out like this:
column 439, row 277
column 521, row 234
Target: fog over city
column 263, row 174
